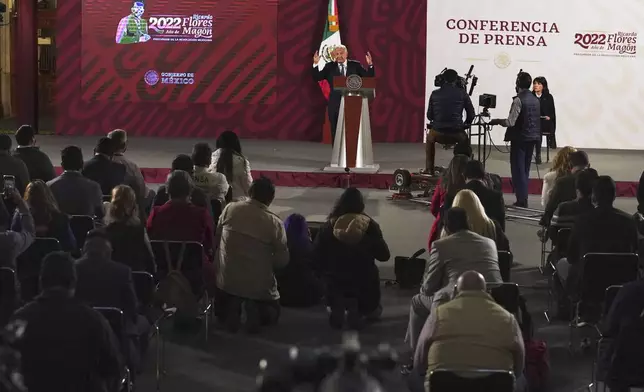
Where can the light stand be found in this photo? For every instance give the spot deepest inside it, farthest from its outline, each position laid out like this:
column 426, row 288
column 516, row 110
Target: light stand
column 483, row 131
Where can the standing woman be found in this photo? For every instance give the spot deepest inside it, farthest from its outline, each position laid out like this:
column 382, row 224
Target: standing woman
column 548, row 114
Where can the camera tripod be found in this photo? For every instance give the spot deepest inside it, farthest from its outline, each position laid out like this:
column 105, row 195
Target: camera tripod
column 482, row 133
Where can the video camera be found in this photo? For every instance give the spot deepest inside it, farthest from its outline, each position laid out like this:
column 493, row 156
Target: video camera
column 331, row 370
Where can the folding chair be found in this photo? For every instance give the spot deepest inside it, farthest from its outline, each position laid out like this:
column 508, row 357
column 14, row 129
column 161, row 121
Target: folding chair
column 599, row 272
column 81, row 225
column 145, row 288
column 560, row 246
column 8, row 294
column 450, row 380
column 505, row 264
column 506, row 295
column 314, row 228
column 116, row 320
column 192, row 256
column 28, row 266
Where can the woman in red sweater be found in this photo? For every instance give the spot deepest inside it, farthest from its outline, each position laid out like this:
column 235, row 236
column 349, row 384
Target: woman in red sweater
column 452, row 181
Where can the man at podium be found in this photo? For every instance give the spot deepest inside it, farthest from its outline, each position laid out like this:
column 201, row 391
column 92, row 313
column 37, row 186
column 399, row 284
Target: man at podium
column 341, row 66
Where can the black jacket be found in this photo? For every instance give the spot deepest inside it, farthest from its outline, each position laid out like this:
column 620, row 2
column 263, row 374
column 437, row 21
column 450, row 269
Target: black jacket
column 345, row 251
column 67, row 346
column 38, row 163
column 332, row 70
column 564, row 190
column 640, row 194
column 547, row 104
column 106, row 173
column 445, row 109
column 106, row 283
column 129, row 246
column 566, row 214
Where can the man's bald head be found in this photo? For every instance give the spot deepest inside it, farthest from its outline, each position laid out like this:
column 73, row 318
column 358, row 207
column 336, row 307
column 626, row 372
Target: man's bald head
column 471, row 281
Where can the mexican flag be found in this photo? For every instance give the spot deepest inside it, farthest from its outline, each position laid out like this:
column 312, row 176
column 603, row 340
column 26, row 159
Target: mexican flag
column 330, row 39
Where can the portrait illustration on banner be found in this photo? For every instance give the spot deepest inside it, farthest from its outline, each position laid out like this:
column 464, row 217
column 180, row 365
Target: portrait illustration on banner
column 133, row 29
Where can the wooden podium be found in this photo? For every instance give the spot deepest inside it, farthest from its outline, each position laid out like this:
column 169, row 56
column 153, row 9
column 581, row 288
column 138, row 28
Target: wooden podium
column 352, row 147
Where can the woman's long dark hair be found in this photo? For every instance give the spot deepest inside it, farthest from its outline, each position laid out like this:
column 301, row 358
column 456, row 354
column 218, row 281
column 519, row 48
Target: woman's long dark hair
column 454, row 177
column 349, row 202
column 542, row 81
column 228, row 143
column 42, row 203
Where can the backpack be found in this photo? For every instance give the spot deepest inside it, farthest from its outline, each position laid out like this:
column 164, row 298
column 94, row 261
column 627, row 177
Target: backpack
column 175, row 290
column 537, row 363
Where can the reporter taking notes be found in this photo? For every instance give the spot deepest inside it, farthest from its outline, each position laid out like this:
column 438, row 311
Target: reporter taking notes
column 523, row 133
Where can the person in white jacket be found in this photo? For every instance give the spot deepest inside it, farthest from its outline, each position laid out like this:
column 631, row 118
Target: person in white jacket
column 560, row 167
column 228, row 160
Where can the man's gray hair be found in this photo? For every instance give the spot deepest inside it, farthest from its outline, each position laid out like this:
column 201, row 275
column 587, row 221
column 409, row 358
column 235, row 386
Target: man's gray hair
column 119, row 136
column 341, row 47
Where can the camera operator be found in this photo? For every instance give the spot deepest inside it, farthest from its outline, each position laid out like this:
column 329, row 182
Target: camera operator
column 523, row 133
column 445, row 115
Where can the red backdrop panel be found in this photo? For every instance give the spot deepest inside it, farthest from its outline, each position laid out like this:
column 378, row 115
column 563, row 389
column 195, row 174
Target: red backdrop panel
column 392, row 30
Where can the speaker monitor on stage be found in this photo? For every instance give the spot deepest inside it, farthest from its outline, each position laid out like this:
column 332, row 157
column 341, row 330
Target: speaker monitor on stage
column 352, row 147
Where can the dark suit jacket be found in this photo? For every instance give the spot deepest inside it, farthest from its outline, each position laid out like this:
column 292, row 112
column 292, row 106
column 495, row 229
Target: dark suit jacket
column 106, row 173
column 106, row 283
column 67, row 346
column 564, row 190
column 640, row 194
column 491, row 199
column 38, row 163
column 548, row 109
column 332, row 70
column 77, row 195
column 604, row 230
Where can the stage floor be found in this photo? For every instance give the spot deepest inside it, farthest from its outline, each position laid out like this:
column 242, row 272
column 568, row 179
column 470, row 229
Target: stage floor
column 295, row 159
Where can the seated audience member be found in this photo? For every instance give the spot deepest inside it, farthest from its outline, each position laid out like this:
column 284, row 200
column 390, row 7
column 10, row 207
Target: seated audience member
column 564, row 188
column 13, row 243
column 251, row 246
column 461, row 250
column 126, row 232
column 74, row 193
column 568, row 211
column 197, row 196
column 102, row 169
column 452, row 181
column 604, row 229
column 478, row 221
column 105, row 283
column 66, row 346
column 180, row 220
column 620, row 364
column 297, row 282
column 346, row 248
column 561, row 167
column 12, row 166
column 133, row 175
column 471, row 332
column 48, row 219
column 228, row 160
column 38, row 163
column 213, row 183
column 491, row 199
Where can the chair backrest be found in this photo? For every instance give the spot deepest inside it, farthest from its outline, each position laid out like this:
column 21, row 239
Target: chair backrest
column 81, row 225
column 506, row 295
column 563, row 237
column 192, row 254
column 115, row 319
column 602, row 270
column 609, row 297
column 144, row 287
column 505, row 264
column 8, row 294
column 450, row 380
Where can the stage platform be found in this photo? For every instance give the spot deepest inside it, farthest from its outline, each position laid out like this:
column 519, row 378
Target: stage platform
column 300, row 163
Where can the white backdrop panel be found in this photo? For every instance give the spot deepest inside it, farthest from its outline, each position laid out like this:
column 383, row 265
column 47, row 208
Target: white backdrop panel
column 598, row 88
